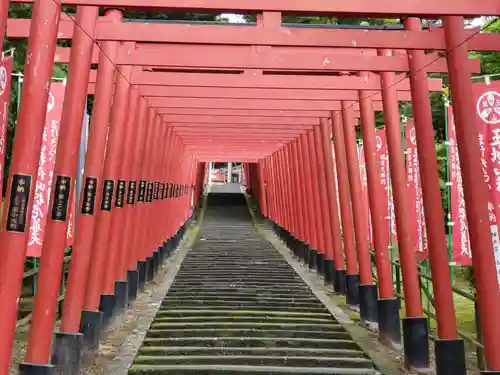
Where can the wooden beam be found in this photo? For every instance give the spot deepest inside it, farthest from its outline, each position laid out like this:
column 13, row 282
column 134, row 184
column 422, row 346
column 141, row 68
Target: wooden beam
column 202, row 113
column 265, row 58
column 144, row 32
column 256, row 80
column 227, row 93
column 246, row 121
column 277, row 105
column 358, row 8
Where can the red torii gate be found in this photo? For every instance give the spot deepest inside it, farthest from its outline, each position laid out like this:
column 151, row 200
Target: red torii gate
column 44, row 29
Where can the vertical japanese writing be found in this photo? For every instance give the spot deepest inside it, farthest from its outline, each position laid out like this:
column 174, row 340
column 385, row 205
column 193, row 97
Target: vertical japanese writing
column 132, row 187
column 18, row 205
column 107, row 195
column 120, row 193
column 61, row 198
column 89, row 194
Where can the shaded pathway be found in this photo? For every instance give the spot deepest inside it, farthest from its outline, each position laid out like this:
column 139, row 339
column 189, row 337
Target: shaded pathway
column 237, row 307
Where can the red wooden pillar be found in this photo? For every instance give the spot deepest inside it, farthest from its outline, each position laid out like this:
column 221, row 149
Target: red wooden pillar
column 100, row 292
column 45, row 305
column 122, row 131
column 129, row 255
column 270, row 186
column 324, row 206
column 306, row 188
column 278, row 191
column 296, row 200
column 388, row 306
column 310, row 196
column 150, row 221
column 475, row 190
column 302, row 199
column 4, row 12
column 24, row 167
column 367, row 290
column 333, row 209
column 450, row 351
column 136, row 259
column 90, row 318
column 318, row 212
column 262, row 187
column 415, row 335
column 121, row 220
column 352, row 276
column 288, row 205
column 297, row 196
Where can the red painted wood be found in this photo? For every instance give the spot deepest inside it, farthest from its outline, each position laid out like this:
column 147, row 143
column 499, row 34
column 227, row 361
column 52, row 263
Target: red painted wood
column 267, row 58
column 238, row 121
column 225, row 113
column 255, row 93
column 285, row 36
column 308, row 7
column 256, row 80
column 250, row 104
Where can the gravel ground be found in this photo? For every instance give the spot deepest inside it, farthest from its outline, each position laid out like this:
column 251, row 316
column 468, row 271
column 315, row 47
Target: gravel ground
column 124, row 335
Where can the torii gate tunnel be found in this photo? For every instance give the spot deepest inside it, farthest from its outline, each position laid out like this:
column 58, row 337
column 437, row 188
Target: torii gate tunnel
column 171, row 97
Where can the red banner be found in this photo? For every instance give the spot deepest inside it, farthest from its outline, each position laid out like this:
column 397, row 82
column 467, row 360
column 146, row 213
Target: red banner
column 5, row 85
column 383, row 160
column 461, row 253
column 415, row 190
column 488, row 121
column 364, row 189
column 45, row 172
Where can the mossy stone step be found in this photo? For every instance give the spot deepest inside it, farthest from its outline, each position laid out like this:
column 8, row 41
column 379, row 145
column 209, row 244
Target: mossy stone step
column 238, row 274
column 163, row 313
column 312, row 361
column 262, row 351
column 250, row 296
column 255, row 289
column 279, row 342
column 242, row 318
column 202, row 332
column 239, row 305
column 244, row 325
column 243, row 370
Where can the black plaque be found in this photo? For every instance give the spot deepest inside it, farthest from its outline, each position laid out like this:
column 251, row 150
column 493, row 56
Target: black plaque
column 89, row 193
column 162, row 191
column 60, row 201
column 132, row 188
column 18, row 205
column 149, row 193
column 107, row 195
column 142, row 191
column 157, row 190
column 121, row 186
column 169, row 190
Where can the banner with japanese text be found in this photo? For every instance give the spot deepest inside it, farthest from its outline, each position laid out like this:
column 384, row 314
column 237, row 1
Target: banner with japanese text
column 364, row 190
column 46, row 166
column 487, row 98
column 383, row 159
column 5, row 85
column 461, row 253
column 415, row 191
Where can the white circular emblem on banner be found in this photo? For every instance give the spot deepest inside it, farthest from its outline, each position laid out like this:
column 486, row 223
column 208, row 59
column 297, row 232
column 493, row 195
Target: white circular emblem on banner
column 488, row 107
column 3, row 79
column 51, row 102
column 379, row 142
column 413, row 136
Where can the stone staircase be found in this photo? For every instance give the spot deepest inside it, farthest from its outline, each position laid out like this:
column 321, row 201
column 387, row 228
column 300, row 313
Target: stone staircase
column 236, row 307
